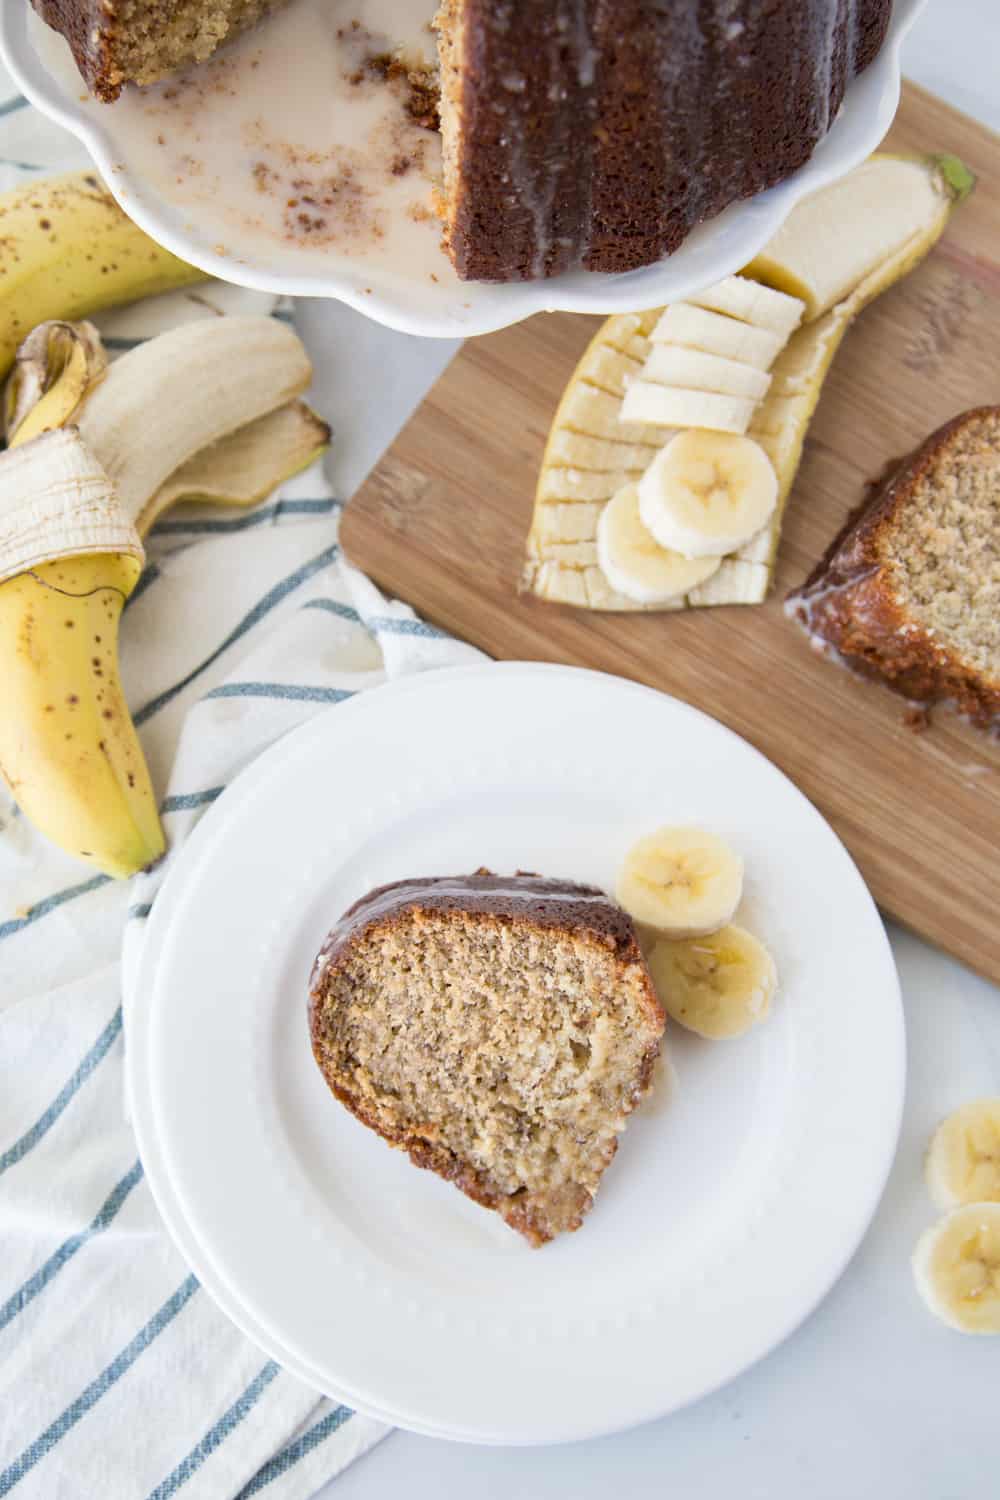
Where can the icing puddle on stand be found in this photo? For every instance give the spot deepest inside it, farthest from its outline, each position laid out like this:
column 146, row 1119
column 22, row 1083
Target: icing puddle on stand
column 302, row 134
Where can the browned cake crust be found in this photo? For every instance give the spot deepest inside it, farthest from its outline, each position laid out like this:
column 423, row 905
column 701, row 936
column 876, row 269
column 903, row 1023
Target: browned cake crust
column 550, row 907
column 90, row 27
column 116, row 42
column 855, row 604
column 598, row 133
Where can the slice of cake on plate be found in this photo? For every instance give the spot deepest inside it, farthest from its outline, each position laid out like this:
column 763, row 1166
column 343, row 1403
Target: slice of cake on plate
column 500, row 1029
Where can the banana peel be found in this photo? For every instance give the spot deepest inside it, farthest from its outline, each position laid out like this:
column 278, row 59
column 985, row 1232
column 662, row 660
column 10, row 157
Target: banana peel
column 587, row 436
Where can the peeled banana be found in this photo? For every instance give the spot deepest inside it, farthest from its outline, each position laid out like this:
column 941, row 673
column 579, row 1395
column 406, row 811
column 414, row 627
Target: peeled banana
column 733, row 359
column 206, row 411
column 633, row 561
column 718, row 985
column 963, row 1160
column 684, row 882
column 956, row 1266
column 68, row 250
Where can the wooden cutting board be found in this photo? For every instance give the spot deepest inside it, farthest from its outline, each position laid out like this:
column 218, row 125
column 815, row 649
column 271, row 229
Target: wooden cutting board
column 441, row 522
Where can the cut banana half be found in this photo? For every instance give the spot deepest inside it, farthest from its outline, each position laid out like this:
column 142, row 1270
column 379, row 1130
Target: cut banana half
column 684, row 882
column 718, row 986
column 963, row 1160
column 674, row 367
column 707, row 493
column 956, row 1266
column 634, row 563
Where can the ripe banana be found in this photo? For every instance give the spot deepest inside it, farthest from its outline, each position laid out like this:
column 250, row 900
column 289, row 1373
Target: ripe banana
column 963, row 1161
column 706, row 493
column 68, row 748
column 684, row 882
column 688, row 327
column 956, row 1266
column 68, row 251
column 817, row 255
column 633, row 561
column 718, row 986
column 173, row 426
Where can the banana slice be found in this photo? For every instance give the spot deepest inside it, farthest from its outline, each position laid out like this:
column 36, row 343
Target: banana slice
column 706, row 493
column 963, row 1162
column 956, row 1266
column 647, row 404
column 685, row 882
column 697, row 328
column 634, row 564
column 739, row 297
column 671, row 364
column 718, row 986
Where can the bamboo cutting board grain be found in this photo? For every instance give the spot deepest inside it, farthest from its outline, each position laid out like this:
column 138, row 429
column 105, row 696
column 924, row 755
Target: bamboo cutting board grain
column 442, row 520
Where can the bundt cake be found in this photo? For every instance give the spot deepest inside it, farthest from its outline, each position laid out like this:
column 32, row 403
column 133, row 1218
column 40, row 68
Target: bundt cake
column 497, row 1028
column 588, row 134
column 909, row 591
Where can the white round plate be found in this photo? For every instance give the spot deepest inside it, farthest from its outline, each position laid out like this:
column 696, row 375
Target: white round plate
column 741, row 1188
column 192, row 212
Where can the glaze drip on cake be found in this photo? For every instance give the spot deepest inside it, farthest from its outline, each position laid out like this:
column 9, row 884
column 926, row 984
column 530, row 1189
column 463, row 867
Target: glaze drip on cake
column 578, row 134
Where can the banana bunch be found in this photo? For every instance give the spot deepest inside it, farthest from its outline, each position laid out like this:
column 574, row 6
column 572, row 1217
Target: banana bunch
column 957, row 1261
column 95, row 452
column 675, row 446
column 68, row 251
column 683, row 887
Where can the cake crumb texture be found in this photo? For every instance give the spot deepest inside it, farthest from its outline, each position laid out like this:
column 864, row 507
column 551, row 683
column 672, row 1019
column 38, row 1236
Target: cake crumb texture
column 501, row 1035
column 910, row 589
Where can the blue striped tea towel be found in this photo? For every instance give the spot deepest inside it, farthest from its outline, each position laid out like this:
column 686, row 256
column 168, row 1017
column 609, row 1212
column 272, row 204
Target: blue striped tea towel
column 119, row 1378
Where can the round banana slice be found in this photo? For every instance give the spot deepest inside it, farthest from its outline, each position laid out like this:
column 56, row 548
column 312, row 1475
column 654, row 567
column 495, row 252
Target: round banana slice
column 634, row 564
column 957, row 1268
column 706, row 493
column 683, row 881
column 963, row 1161
column 719, row 985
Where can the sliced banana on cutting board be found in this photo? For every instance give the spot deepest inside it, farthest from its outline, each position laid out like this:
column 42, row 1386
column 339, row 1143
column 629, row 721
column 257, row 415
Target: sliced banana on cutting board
column 963, row 1160
column 956, row 1266
column 745, row 357
column 707, row 493
column 684, row 882
column 719, row 985
column 633, row 561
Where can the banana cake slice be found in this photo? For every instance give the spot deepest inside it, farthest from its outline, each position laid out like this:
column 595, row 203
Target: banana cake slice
column 499, row 1029
column 909, row 591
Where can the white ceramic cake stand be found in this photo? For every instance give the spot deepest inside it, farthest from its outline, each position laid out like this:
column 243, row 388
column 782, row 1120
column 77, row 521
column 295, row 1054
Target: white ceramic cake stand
column 167, row 210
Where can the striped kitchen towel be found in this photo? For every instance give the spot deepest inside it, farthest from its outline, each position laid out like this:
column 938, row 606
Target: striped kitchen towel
column 119, row 1378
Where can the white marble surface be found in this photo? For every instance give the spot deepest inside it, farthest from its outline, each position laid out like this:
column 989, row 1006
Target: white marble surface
column 870, row 1397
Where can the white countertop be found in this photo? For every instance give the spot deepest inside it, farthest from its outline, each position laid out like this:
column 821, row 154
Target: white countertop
column 871, row 1397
